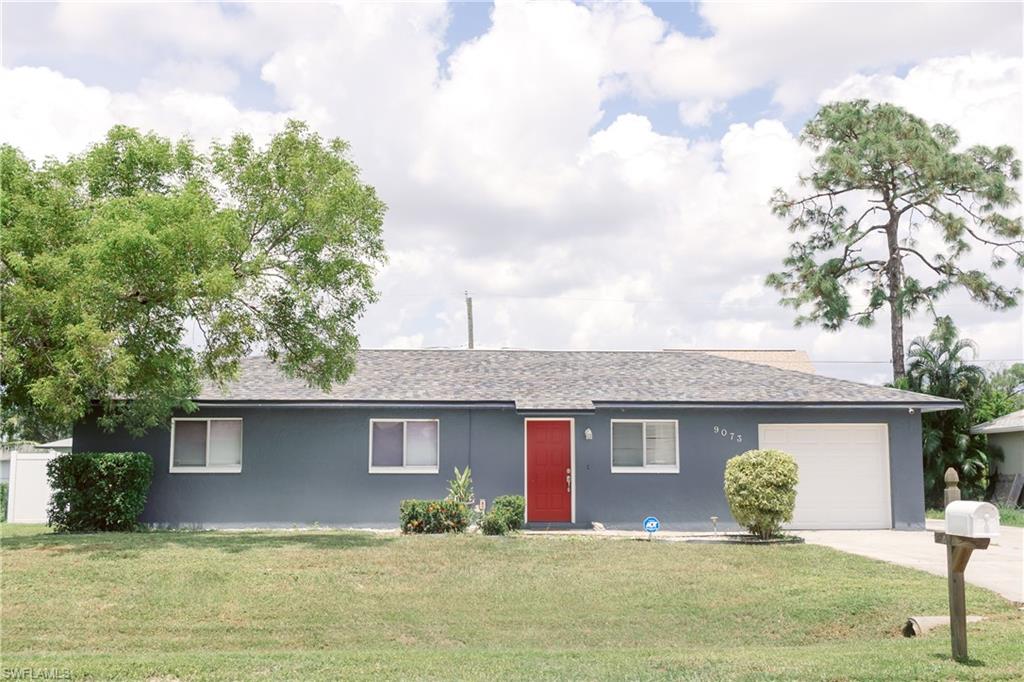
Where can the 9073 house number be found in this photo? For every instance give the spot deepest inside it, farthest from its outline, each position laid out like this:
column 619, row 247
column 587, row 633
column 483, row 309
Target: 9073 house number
column 726, row 433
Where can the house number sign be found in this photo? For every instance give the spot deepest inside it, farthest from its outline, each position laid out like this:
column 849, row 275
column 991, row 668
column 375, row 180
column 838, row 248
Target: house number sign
column 726, row 433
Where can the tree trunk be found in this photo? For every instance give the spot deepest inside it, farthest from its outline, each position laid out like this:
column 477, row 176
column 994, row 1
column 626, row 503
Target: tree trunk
column 899, row 370
column 894, row 271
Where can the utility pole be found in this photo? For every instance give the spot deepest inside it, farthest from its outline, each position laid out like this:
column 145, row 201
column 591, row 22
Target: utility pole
column 469, row 318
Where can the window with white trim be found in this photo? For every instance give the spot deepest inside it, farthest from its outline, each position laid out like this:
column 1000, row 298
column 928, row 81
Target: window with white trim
column 645, row 446
column 404, row 446
column 206, row 445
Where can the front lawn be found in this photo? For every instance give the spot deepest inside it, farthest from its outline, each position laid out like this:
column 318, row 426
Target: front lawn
column 344, row 605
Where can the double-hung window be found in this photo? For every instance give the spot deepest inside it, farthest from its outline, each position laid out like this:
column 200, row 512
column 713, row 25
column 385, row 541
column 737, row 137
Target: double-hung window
column 206, row 445
column 404, row 446
column 645, row 446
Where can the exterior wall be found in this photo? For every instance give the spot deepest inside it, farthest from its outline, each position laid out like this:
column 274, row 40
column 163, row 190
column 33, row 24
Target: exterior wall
column 1012, row 445
column 310, row 465
column 687, row 500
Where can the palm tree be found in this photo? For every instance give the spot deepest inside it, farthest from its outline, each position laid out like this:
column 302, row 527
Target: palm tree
column 940, row 364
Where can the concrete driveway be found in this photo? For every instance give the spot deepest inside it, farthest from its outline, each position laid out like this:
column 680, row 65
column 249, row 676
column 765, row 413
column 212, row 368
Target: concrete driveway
column 999, row 568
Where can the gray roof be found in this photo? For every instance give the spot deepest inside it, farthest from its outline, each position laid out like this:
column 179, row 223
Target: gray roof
column 560, row 380
column 1008, row 423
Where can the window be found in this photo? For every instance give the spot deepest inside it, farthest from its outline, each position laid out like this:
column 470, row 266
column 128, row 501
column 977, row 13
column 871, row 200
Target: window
column 645, row 446
column 206, row 445
column 403, row 446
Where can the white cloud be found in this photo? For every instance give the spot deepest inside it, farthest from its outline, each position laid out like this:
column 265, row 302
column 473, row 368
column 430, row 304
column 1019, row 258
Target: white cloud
column 698, row 112
column 499, row 180
column 800, row 48
column 979, row 95
column 193, row 75
column 47, row 114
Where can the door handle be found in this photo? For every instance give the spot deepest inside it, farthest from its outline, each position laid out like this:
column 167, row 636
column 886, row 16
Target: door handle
column 568, row 483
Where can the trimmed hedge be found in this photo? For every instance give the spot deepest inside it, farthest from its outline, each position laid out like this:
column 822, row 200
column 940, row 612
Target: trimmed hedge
column 506, row 515
column 760, row 486
column 433, row 516
column 98, row 491
column 513, row 507
column 495, row 523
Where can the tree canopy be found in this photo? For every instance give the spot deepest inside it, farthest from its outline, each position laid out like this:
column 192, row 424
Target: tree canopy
column 892, row 210
column 110, row 258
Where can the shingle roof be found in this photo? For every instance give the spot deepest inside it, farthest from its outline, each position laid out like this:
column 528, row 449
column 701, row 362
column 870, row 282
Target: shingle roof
column 1008, row 423
column 560, row 380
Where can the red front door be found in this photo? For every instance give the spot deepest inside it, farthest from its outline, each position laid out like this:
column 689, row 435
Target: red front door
column 549, row 470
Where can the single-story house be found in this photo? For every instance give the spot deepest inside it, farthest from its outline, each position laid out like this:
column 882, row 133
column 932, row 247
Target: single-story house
column 586, row 436
column 1007, row 434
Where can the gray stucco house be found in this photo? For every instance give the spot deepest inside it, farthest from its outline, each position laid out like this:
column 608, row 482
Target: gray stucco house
column 585, row 436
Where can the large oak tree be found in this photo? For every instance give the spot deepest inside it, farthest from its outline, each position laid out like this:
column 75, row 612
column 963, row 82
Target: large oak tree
column 892, row 209
column 108, row 260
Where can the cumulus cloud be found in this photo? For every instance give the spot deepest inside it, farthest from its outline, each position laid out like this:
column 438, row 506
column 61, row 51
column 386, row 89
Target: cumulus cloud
column 503, row 175
column 47, row 114
column 978, row 94
column 698, row 112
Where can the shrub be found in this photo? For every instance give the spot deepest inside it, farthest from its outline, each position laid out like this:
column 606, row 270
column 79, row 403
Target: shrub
column 760, row 486
column 460, row 488
column 3, row 502
column 95, row 491
column 514, row 508
column 433, row 516
column 495, row 523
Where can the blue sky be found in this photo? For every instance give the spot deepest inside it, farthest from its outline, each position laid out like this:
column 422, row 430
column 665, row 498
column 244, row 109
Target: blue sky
column 596, row 174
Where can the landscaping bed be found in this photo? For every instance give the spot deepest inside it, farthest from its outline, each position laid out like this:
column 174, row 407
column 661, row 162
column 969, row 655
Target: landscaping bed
column 330, row 605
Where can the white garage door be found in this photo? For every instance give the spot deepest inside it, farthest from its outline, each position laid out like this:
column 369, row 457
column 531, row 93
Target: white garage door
column 844, row 472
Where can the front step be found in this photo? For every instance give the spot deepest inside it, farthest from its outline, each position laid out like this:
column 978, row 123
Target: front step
column 546, row 525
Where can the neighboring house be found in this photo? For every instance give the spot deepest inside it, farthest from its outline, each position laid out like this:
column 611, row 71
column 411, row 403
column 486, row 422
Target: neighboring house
column 61, row 446
column 5, row 465
column 796, row 360
column 585, row 436
column 1007, row 434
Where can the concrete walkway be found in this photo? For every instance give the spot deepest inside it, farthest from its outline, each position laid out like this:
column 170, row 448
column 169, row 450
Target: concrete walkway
column 999, row 568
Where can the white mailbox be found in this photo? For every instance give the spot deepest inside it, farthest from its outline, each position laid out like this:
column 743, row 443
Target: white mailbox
column 972, row 519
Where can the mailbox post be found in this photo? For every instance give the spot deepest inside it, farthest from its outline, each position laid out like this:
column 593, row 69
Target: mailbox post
column 969, row 526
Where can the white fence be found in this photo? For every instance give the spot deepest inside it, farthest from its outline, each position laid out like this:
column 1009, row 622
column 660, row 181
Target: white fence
column 29, row 491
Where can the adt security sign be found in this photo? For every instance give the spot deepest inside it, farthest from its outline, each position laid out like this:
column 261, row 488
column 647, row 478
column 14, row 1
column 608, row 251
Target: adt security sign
column 652, row 525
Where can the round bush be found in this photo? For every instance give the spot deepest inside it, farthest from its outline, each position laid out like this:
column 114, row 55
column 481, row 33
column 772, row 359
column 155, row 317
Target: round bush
column 514, row 509
column 494, row 523
column 760, row 486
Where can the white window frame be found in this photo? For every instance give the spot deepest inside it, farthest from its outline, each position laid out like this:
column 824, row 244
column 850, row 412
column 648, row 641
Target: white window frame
column 646, row 468
column 405, row 469
column 205, row 469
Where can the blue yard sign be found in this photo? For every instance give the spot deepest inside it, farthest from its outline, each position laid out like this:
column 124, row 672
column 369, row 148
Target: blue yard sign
column 652, row 524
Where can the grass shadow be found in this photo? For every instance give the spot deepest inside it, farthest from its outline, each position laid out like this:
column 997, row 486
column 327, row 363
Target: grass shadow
column 970, row 662
column 121, row 545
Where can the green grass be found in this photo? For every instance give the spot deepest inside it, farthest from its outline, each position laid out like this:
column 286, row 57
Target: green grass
column 326, row 605
column 1008, row 516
